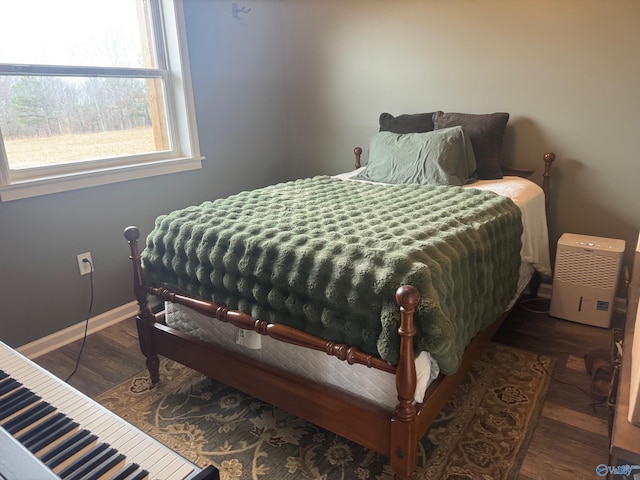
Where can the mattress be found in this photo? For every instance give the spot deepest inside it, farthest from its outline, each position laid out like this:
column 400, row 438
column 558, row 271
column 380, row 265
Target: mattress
column 371, row 385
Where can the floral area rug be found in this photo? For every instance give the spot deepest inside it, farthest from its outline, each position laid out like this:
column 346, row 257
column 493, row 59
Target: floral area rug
column 481, row 433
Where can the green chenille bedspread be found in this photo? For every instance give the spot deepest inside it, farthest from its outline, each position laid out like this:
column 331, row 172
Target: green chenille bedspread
column 326, row 256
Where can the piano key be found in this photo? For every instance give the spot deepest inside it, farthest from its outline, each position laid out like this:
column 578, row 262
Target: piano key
column 20, row 403
column 8, row 385
column 33, row 434
column 78, row 442
column 138, row 476
column 96, row 462
column 82, row 460
column 126, row 472
column 28, row 417
column 37, row 420
column 106, row 466
column 9, row 400
column 51, row 438
column 140, row 448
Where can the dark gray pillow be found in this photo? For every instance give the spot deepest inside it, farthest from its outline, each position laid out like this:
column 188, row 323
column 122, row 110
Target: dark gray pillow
column 407, row 123
column 485, row 132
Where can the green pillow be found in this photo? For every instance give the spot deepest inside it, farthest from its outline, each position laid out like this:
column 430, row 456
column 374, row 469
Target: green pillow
column 441, row 157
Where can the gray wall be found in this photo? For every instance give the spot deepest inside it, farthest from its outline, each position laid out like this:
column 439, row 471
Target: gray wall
column 290, row 88
column 567, row 72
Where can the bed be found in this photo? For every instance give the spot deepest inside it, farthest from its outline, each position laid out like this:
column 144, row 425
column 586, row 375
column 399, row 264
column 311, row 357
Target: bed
column 309, row 273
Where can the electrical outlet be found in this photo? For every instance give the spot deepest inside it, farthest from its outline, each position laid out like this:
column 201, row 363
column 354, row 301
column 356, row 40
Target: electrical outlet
column 85, row 264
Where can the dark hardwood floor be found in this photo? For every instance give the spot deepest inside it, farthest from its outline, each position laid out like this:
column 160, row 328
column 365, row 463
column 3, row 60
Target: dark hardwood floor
column 571, row 437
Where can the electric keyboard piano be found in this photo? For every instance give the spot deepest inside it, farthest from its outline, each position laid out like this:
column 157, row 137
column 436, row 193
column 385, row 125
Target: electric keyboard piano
column 48, row 429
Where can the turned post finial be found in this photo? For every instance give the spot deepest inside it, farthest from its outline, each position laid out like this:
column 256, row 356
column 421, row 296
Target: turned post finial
column 132, row 234
column 408, row 297
column 549, row 157
column 358, row 153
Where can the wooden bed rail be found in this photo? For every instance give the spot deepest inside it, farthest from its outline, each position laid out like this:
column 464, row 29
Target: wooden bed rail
column 277, row 331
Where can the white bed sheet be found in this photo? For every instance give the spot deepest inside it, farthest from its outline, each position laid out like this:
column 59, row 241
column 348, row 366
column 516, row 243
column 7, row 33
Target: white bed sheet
column 369, row 384
column 529, row 197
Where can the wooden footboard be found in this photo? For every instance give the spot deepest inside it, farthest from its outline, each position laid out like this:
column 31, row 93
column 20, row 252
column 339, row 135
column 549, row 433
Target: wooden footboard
column 393, row 434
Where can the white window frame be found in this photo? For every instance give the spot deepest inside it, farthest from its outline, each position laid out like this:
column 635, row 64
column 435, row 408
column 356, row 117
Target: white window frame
column 185, row 153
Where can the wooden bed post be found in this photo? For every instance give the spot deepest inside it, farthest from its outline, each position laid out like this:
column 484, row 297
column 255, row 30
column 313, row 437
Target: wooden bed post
column 358, row 153
column 404, row 438
column 549, row 157
column 145, row 317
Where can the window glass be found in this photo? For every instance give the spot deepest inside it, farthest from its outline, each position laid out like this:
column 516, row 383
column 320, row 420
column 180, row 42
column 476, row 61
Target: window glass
column 92, row 92
column 96, row 33
column 50, row 120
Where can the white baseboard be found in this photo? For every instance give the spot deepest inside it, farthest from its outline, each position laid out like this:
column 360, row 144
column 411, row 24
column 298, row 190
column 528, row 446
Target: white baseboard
column 619, row 306
column 75, row 332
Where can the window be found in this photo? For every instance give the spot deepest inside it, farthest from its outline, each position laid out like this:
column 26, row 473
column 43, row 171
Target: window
column 92, row 93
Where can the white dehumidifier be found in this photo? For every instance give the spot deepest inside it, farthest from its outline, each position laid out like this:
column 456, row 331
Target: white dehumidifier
column 586, row 278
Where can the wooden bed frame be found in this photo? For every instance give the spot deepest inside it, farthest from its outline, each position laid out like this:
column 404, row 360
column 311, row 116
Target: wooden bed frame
column 394, row 434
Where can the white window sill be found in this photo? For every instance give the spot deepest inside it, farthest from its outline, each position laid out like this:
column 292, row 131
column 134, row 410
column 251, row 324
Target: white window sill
column 34, row 188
